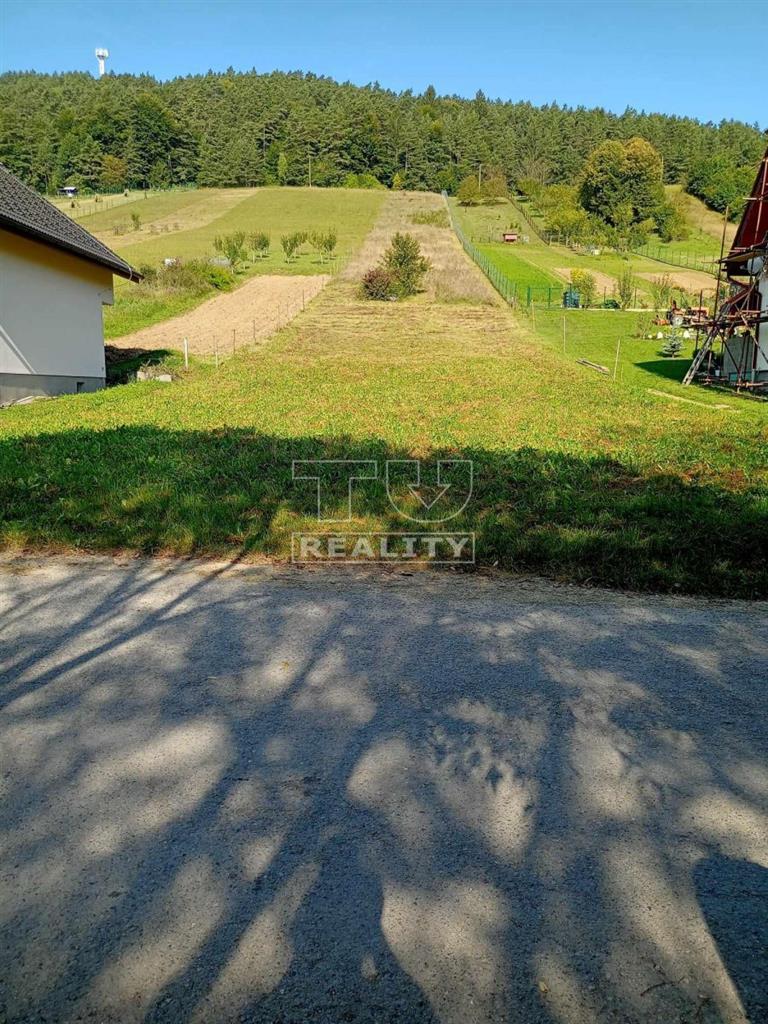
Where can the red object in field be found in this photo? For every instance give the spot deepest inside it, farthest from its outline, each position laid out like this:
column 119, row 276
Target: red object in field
column 510, row 236
column 753, row 230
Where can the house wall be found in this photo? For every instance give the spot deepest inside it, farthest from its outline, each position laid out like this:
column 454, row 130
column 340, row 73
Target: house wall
column 51, row 329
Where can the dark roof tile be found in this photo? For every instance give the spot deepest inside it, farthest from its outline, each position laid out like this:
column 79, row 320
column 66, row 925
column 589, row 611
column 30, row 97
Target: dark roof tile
column 25, row 212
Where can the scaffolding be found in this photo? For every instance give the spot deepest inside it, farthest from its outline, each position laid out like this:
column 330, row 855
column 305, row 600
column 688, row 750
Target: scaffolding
column 734, row 350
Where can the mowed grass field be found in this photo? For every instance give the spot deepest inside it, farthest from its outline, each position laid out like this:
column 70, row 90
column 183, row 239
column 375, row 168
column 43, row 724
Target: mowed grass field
column 277, row 211
column 576, row 476
column 183, row 226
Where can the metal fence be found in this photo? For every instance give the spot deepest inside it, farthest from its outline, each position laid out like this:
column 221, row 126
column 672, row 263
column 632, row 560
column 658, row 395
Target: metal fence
column 688, row 261
column 516, row 294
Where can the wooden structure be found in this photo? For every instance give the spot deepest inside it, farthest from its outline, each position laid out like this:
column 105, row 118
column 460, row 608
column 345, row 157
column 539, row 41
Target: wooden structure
column 510, row 236
column 734, row 351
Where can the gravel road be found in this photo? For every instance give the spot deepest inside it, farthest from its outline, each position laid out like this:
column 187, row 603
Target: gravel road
column 279, row 795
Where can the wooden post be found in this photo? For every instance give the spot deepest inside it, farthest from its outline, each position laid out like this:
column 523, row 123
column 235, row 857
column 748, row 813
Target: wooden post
column 720, row 264
column 616, row 364
column 186, row 353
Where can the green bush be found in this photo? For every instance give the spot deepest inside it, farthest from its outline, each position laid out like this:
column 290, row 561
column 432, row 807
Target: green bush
column 468, row 192
column 626, row 288
column 259, row 244
column 405, row 262
column 434, row 218
column 585, row 284
column 292, row 243
column 232, row 247
column 365, row 180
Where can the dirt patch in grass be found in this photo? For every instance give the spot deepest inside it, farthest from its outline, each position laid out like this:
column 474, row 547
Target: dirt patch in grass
column 252, row 312
column 196, row 210
column 690, row 280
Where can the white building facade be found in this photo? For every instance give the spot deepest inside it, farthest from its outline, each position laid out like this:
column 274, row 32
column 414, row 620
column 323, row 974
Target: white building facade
column 55, row 278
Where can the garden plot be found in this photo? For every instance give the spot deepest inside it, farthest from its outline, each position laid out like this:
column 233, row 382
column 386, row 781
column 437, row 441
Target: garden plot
column 688, row 280
column 241, row 317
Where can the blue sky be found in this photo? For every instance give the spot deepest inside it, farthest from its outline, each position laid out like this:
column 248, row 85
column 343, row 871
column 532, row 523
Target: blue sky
column 664, row 55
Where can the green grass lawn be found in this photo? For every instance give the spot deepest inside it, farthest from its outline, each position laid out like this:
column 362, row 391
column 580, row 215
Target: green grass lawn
column 577, row 477
column 277, row 211
column 596, row 335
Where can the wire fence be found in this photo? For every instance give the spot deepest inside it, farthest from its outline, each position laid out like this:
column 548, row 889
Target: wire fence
column 517, row 294
column 507, row 289
column 685, row 260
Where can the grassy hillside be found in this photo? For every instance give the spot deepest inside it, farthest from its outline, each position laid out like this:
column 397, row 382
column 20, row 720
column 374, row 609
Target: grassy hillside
column 184, row 224
column 277, row 211
column 577, row 476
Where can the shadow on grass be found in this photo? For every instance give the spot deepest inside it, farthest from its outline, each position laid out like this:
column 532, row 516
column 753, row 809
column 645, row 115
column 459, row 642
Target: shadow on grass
column 231, row 491
column 670, row 369
column 122, row 363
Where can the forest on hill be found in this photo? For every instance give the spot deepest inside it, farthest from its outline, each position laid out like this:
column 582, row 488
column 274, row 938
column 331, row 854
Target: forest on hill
column 228, row 129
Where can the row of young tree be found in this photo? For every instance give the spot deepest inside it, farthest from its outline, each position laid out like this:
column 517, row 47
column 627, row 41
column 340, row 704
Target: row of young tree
column 236, row 247
column 296, row 129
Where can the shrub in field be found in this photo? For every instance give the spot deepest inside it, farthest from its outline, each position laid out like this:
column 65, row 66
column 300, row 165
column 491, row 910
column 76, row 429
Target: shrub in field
column 365, row 180
column 643, row 325
column 378, row 283
column 232, row 246
column 324, row 242
column 405, row 262
column 435, row 218
column 259, row 243
column 195, row 276
column 626, row 288
column 661, row 290
column 292, row 243
column 136, row 221
column 585, row 284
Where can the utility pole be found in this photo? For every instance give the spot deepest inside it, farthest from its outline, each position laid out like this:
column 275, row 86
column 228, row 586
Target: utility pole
column 480, row 176
column 310, row 170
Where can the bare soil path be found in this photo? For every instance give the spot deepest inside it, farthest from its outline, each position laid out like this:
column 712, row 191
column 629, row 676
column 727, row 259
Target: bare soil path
column 253, row 311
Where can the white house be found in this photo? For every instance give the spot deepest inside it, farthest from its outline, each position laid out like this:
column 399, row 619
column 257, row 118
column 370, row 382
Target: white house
column 54, row 279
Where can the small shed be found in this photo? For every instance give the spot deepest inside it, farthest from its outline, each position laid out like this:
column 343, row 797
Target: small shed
column 509, row 236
